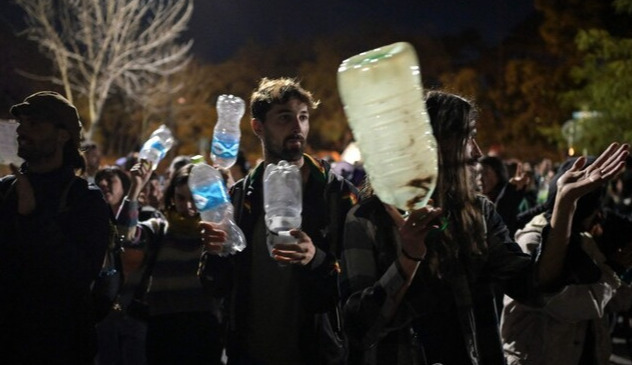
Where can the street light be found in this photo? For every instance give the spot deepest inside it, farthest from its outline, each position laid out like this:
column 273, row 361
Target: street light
column 573, row 129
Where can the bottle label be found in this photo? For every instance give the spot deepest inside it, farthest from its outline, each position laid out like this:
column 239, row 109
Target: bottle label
column 210, row 196
column 158, row 146
column 225, row 147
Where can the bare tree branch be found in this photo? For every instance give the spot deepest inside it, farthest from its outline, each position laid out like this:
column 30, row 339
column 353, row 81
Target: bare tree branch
column 98, row 46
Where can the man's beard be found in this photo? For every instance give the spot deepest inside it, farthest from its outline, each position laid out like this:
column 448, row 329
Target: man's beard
column 285, row 153
column 37, row 152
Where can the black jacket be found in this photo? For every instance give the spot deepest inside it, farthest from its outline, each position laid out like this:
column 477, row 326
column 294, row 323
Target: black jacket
column 326, row 200
column 48, row 260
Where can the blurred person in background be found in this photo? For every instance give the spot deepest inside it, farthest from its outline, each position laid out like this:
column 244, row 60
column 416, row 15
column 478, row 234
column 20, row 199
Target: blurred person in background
column 573, row 327
column 506, row 193
column 184, row 322
column 92, row 155
column 113, row 182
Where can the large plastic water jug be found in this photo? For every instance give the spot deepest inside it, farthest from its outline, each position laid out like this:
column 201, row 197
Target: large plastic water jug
column 383, row 100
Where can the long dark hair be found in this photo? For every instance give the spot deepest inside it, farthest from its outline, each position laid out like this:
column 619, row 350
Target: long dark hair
column 73, row 157
column 452, row 118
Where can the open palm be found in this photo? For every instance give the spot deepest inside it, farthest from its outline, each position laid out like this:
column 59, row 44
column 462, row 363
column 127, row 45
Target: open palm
column 580, row 179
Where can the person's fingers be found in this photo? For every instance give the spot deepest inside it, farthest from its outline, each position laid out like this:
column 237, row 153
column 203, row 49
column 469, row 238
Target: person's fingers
column 615, row 163
column 211, row 233
column 289, row 247
column 578, row 164
column 288, row 256
column 208, row 225
column 605, row 156
column 518, row 173
column 213, row 247
column 419, row 221
column 298, row 234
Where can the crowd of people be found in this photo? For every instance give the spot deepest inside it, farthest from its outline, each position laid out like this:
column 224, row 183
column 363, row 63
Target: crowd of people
column 509, row 263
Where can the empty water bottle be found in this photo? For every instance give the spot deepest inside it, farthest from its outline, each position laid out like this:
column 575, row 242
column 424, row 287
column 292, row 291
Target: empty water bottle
column 283, row 201
column 157, row 146
column 212, row 202
column 226, row 134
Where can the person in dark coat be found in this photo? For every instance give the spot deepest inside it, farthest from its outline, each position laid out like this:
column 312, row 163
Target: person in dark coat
column 53, row 238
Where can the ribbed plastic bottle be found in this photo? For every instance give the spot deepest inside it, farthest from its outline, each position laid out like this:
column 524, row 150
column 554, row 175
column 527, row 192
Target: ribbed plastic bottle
column 157, row 146
column 213, row 203
column 226, row 134
column 383, row 101
column 282, row 201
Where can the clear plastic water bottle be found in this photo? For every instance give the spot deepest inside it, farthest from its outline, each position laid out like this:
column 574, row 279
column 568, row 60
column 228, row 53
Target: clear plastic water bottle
column 212, row 202
column 226, row 135
column 157, row 146
column 383, row 101
column 282, row 201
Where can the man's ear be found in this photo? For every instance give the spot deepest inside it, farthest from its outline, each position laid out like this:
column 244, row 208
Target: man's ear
column 257, row 127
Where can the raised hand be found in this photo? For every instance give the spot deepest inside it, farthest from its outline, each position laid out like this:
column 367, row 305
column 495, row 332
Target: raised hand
column 520, row 180
column 140, row 174
column 580, row 180
column 572, row 185
column 415, row 230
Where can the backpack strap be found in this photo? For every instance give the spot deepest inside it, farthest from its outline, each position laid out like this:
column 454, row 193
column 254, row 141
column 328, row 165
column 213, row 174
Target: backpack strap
column 239, row 190
column 333, row 196
column 63, row 201
column 152, row 257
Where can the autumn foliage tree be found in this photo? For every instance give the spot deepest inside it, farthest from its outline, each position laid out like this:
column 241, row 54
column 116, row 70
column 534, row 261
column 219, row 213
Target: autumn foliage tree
column 604, row 80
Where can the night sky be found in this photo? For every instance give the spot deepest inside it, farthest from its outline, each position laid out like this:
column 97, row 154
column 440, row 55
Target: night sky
column 221, row 27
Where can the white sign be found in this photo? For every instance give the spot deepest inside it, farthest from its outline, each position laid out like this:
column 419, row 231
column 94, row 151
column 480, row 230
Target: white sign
column 9, row 143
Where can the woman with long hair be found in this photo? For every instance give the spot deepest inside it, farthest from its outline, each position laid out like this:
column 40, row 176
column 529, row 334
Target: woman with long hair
column 421, row 289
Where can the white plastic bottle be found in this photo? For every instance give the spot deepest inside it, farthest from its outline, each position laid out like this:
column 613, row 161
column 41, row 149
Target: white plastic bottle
column 212, row 202
column 226, row 134
column 282, row 201
column 157, row 146
column 383, row 101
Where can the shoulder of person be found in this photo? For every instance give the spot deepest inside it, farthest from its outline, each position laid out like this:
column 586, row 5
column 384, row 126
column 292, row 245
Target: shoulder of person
column 487, row 206
column 368, row 207
column 81, row 187
column 336, row 180
column 6, row 182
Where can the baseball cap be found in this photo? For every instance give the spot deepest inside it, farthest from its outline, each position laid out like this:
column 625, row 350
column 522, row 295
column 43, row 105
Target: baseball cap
column 54, row 108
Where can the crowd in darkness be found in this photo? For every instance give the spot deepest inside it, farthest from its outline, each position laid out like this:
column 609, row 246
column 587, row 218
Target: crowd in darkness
column 511, row 262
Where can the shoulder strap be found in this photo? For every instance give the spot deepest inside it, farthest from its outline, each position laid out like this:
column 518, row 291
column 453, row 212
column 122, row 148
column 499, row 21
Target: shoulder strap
column 333, row 195
column 152, row 257
column 239, row 190
column 63, row 201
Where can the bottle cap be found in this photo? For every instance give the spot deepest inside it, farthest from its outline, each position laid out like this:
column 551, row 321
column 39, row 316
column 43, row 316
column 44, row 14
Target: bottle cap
column 197, row 159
